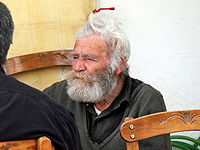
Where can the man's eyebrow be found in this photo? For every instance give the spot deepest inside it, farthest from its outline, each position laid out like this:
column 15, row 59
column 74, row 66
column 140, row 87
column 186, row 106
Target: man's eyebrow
column 88, row 55
column 83, row 55
column 73, row 53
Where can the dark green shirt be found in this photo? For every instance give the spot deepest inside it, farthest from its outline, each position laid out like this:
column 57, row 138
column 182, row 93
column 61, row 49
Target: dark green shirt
column 142, row 101
column 99, row 126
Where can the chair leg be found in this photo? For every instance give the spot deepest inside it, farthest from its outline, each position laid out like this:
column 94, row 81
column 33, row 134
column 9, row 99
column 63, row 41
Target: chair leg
column 44, row 143
column 132, row 146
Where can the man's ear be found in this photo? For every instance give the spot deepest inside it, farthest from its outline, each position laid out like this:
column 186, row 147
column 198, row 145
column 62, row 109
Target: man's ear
column 122, row 65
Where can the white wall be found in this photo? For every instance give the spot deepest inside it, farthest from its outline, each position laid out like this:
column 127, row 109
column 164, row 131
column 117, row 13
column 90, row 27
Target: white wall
column 165, row 40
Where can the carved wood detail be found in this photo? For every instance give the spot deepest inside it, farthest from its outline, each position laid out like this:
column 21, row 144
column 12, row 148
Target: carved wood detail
column 37, row 60
column 184, row 117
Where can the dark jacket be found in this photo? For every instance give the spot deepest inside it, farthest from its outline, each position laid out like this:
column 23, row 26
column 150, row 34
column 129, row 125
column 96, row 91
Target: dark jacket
column 143, row 100
column 27, row 113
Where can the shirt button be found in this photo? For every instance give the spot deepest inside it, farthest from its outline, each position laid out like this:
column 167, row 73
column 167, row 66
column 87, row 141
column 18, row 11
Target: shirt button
column 87, row 104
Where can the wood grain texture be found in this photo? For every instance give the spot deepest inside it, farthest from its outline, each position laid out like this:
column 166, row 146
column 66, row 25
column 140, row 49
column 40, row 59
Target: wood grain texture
column 45, row 25
column 36, row 61
column 42, row 143
column 133, row 130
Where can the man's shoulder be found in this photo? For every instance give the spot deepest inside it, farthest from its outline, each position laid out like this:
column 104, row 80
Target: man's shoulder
column 57, row 86
column 58, row 91
column 149, row 90
column 145, row 92
column 60, row 83
column 13, row 86
column 146, row 100
column 16, row 92
column 143, row 87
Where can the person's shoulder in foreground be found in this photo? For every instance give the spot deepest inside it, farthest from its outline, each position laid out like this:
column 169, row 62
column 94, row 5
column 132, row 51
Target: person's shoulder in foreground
column 34, row 114
column 27, row 113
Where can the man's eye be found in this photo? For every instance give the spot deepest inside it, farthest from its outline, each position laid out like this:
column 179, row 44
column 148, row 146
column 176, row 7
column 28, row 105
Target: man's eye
column 75, row 57
column 90, row 59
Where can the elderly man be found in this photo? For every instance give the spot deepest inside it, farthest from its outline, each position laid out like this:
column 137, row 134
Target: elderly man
column 26, row 113
column 99, row 90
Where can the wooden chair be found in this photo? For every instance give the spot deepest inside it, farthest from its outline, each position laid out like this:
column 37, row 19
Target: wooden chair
column 42, row 143
column 133, row 130
column 41, row 69
column 36, row 61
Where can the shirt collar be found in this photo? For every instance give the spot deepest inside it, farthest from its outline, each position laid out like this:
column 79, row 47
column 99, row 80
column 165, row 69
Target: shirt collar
column 123, row 97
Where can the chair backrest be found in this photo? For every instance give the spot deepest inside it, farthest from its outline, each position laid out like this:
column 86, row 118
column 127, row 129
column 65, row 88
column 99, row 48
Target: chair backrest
column 36, row 61
column 133, row 130
column 41, row 69
column 42, row 143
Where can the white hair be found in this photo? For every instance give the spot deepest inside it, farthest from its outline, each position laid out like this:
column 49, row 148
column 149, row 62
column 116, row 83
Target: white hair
column 107, row 25
column 102, row 85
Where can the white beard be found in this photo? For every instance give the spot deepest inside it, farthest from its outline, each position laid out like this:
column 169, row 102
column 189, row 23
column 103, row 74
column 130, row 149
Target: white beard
column 94, row 91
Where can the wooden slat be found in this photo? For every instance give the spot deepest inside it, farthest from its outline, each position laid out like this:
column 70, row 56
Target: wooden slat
column 19, row 145
column 160, row 123
column 42, row 143
column 132, row 146
column 37, row 60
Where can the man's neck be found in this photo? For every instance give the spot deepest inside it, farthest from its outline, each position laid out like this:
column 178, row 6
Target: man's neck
column 104, row 104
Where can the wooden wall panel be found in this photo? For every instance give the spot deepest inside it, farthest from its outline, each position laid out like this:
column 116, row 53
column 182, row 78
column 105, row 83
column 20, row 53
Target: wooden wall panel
column 45, row 25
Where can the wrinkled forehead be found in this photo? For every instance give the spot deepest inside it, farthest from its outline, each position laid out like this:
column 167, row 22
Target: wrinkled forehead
column 93, row 45
column 74, row 53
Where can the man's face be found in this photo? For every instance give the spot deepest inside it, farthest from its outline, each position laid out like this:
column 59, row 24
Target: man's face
column 91, row 79
column 90, row 54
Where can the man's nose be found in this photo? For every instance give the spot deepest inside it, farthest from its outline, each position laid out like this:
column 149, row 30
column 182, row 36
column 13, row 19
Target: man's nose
column 79, row 65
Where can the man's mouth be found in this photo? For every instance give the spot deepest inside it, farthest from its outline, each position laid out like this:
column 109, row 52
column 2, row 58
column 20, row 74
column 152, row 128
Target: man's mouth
column 82, row 80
